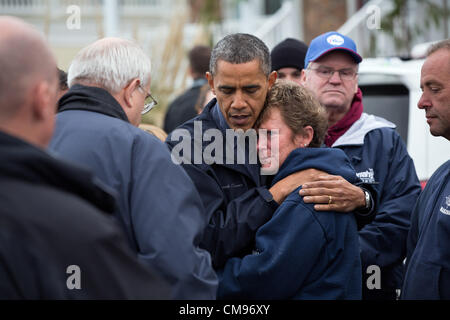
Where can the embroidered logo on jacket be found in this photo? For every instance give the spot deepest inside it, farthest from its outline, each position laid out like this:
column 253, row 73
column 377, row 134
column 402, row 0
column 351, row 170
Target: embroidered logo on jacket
column 367, row 176
column 447, row 206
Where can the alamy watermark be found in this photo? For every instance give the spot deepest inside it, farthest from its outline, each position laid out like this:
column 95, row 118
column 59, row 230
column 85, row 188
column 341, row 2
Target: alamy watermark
column 235, row 147
column 374, row 280
column 73, row 22
column 74, row 279
column 373, row 21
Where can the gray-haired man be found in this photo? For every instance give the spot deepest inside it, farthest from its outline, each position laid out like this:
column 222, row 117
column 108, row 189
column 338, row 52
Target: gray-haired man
column 158, row 206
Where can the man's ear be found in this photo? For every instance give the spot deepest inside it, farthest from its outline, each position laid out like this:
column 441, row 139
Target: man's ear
column 210, row 79
column 272, row 78
column 303, row 77
column 43, row 102
column 129, row 91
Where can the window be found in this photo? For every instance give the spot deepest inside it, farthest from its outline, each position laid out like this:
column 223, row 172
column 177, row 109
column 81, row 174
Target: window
column 385, row 96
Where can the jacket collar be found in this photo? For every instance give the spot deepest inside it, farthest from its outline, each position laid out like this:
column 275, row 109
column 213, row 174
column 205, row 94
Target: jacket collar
column 25, row 162
column 358, row 131
column 333, row 161
column 93, row 99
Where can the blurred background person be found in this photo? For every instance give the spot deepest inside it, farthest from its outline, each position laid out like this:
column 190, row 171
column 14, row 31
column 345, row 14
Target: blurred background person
column 182, row 108
column 63, row 87
column 288, row 58
column 205, row 96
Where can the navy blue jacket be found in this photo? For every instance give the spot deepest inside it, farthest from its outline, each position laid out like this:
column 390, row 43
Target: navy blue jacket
column 159, row 208
column 300, row 253
column 236, row 200
column 380, row 158
column 428, row 261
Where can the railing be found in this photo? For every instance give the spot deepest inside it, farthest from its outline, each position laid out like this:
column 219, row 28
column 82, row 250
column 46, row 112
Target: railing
column 281, row 25
column 38, row 7
column 271, row 29
column 88, row 7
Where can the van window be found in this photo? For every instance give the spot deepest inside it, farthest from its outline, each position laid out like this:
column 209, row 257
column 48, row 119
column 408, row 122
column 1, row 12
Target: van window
column 385, row 96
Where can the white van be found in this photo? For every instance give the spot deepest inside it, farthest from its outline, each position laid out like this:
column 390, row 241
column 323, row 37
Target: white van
column 391, row 89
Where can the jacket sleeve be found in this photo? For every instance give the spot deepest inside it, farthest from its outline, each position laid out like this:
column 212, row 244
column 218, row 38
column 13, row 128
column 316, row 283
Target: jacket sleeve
column 366, row 216
column 287, row 249
column 232, row 224
column 383, row 242
column 168, row 231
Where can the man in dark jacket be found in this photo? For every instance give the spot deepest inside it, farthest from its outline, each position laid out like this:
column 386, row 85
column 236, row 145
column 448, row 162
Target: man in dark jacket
column 55, row 243
column 236, row 197
column 158, row 206
column 377, row 153
column 428, row 261
column 182, row 108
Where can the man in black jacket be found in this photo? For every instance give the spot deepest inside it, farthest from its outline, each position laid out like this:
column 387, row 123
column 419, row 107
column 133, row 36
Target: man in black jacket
column 182, row 108
column 55, row 241
column 236, row 196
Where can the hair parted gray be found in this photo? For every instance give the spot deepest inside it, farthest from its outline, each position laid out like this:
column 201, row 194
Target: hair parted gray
column 444, row 44
column 240, row 48
column 110, row 63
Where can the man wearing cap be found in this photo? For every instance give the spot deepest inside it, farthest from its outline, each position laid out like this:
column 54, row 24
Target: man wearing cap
column 287, row 59
column 377, row 152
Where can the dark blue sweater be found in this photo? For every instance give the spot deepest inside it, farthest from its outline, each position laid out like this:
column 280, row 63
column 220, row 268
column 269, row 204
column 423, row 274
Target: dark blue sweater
column 300, row 253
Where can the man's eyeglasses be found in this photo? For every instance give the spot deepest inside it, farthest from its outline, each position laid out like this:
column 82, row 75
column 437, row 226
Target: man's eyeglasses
column 327, row 73
column 150, row 102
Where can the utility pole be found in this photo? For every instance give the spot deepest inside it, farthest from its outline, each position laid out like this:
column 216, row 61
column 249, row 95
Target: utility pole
column 110, row 18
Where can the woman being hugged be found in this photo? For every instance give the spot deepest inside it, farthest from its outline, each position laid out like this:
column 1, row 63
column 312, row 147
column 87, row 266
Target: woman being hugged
column 300, row 253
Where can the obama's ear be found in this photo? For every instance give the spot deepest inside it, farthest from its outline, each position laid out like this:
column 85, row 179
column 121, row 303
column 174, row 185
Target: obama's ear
column 210, row 79
column 272, row 78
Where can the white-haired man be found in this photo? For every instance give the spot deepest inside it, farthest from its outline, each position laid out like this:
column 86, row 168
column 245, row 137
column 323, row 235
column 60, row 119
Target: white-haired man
column 158, row 205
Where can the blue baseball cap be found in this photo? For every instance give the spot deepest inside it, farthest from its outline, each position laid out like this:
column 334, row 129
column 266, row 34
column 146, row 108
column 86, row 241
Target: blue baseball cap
column 328, row 42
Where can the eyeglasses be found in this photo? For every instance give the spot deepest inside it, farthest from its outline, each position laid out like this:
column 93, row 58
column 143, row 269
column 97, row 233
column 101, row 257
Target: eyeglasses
column 150, row 102
column 327, row 73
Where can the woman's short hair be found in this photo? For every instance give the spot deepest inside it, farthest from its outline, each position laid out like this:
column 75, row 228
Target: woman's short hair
column 110, row 63
column 298, row 108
